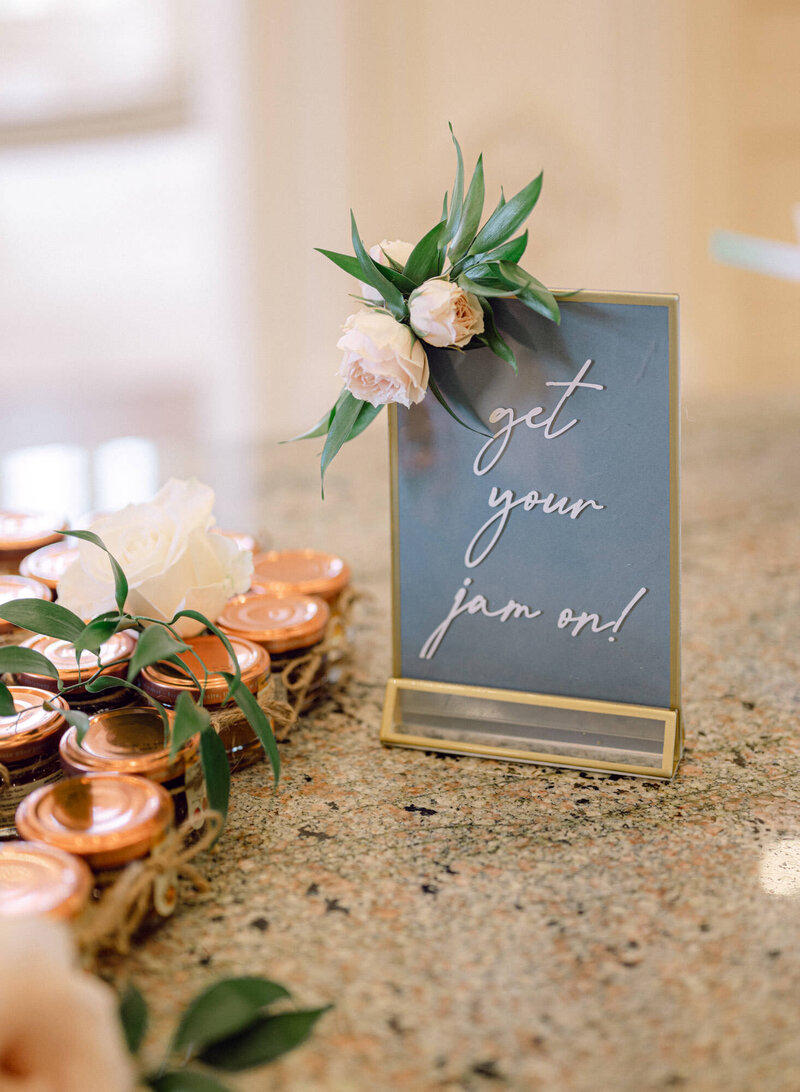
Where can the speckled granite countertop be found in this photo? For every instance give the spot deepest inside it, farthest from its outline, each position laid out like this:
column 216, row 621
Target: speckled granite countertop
column 483, row 925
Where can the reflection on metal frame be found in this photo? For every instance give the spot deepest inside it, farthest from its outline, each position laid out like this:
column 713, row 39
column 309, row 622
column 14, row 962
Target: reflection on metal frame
column 394, row 730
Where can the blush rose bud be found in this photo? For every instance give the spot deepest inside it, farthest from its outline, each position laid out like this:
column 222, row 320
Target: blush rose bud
column 383, row 361
column 443, row 314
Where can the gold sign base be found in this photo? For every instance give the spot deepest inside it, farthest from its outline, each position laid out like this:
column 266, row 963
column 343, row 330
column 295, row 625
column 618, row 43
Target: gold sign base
column 574, row 733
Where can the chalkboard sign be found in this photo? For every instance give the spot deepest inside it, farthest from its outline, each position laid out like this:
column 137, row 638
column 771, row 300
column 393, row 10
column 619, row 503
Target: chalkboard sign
column 536, row 568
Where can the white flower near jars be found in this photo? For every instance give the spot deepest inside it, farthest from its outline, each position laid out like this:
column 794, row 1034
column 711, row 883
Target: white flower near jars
column 59, row 1030
column 443, row 314
column 169, row 556
column 395, row 249
column 383, row 361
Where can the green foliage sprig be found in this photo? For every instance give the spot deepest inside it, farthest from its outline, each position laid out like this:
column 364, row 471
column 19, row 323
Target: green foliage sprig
column 482, row 260
column 158, row 642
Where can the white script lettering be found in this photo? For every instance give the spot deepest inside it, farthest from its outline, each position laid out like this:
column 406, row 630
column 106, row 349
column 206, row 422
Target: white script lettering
column 478, row 604
column 585, row 618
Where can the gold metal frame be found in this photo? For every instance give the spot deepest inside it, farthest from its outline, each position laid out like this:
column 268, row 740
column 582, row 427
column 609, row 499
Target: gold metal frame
column 672, row 719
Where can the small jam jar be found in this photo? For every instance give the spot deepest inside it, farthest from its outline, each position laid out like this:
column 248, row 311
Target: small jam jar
column 107, row 819
column 308, row 572
column 166, row 682
column 131, row 741
column 115, row 653
column 39, row 879
column 19, row 587
column 288, row 625
column 49, row 563
column 29, row 749
column 23, row 532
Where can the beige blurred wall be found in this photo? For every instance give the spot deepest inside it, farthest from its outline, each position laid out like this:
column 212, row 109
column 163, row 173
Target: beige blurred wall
column 655, row 121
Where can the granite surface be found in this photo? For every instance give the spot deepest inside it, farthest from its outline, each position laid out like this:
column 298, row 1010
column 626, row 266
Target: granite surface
column 482, row 925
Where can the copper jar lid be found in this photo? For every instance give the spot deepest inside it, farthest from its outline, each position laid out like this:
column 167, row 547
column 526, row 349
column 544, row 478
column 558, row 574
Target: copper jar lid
column 21, row 532
column 61, row 653
column 49, row 563
column 33, row 729
column 280, row 621
column 108, row 819
column 129, row 741
column 243, row 539
column 19, row 587
column 166, row 681
column 307, row 571
column 39, row 879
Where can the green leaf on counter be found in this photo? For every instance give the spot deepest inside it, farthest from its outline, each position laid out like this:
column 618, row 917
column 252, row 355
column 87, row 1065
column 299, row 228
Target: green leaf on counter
column 111, row 682
column 423, row 261
column 41, row 616
column 95, row 634
column 343, row 423
column 133, row 1017
column 216, row 771
column 190, row 719
column 80, row 721
column 465, row 409
column 264, row 1041
column 493, row 338
column 186, row 1080
column 15, row 658
column 505, row 220
column 258, row 721
column 375, row 275
column 471, row 213
column 120, row 580
column 198, row 617
column 7, row 707
column 224, row 1009
column 155, row 643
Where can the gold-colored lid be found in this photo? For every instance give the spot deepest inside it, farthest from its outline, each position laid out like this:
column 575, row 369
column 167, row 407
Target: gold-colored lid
column 40, row 879
column 243, row 539
column 25, row 531
column 280, row 621
column 19, row 587
column 307, row 571
column 61, row 653
column 128, row 741
column 49, row 563
column 106, row 818
column 34, row 729
column 166, row 681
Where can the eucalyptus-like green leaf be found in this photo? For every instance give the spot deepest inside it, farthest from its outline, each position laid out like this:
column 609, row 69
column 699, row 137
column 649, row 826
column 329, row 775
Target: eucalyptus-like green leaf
column 95, row 634
column 264, row 1041
column 41, row 616
column 133, row 1017
column 339, row 433
column 185, row 1080
column 466, row 410
column 198, row 617
column 258, row 721
column 390, row 261
column 155, row 643
column 506, row 220
column 190, row 719
column 112, row 682
column 372, row 274
column 79, row 720
column 423, row 261
column 493, row 338
column 322, row 426
column 366, row 415
column 531, row 292
column 15, row 658
column 224, row 1009
column 457, row 199
column 7, row 707
column 216, row 771
column 444, row 206
column 471, row 213
column 488, row 288
column 511, row 251
column 350, row 264
column 120, row 580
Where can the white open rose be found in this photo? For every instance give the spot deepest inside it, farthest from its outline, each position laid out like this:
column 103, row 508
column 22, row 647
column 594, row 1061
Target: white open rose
column 171, row 560
column 59, row 1030
column 383, row 361
column 395, row 249
column 443, row 314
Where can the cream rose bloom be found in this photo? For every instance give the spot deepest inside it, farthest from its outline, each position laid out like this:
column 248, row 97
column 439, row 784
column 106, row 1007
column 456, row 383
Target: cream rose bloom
column 395, row 249
column 443, row 314
column 171, row 560
column 59, row 1029
column 383, row 361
